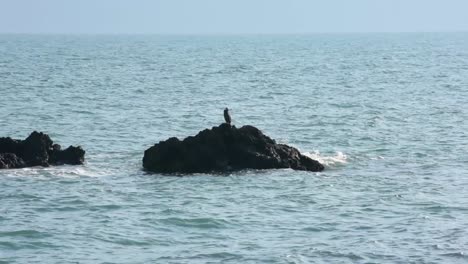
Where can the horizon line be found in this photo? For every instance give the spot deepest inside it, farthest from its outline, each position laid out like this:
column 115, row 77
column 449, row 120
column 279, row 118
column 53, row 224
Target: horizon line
column 232, row 33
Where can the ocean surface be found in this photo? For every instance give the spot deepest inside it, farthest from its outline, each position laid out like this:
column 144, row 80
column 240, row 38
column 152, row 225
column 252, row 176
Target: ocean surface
column 386, row 113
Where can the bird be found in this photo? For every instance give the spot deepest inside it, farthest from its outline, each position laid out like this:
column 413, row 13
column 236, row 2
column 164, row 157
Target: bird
column 227, row 117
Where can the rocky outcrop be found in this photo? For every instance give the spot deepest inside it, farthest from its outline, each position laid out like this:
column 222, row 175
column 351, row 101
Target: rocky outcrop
column 10, row 161
column 36, row 150
column 225, row 148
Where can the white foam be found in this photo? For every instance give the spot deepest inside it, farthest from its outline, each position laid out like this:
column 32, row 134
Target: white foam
column 336, row 160
column 66, row 171
column 82, row 171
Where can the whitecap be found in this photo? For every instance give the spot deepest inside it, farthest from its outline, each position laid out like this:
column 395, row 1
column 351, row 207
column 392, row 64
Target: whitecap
column 331, row 161
column 64, row 171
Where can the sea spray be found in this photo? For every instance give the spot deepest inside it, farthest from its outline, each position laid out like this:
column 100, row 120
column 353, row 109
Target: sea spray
column 330, row 161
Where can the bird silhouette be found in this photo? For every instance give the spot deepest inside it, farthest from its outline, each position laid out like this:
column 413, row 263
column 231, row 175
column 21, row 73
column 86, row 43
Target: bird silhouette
column 227, row 117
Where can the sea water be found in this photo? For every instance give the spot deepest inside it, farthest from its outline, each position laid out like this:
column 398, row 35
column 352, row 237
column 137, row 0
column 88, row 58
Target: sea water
column 386, row 113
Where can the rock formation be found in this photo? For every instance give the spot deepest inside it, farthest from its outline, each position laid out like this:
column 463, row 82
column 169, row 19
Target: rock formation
column 36, row 150
column 225, row 148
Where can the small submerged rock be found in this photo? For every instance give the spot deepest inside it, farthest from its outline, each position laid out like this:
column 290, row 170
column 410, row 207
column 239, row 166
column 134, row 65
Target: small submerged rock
column 37, row 150
column 225, row 148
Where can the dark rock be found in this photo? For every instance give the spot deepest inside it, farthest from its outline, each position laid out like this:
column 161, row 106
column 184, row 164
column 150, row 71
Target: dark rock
column 72, row 155
column 10, row 160
column 225, row 148
column 8, row 145
column 36, row 150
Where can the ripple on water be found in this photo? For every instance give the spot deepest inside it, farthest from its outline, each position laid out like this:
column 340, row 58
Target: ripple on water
column 197, row 223
column 24, row 234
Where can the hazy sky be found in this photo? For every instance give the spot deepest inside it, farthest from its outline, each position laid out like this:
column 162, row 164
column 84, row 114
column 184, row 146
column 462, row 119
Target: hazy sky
column 231, row 16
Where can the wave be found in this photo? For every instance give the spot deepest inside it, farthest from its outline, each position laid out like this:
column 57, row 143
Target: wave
column 337, row 160
column 65, row 171
column 28, row 233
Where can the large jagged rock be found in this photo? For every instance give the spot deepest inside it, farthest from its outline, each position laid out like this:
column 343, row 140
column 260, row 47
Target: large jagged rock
column 36, row 150
column 225, row 148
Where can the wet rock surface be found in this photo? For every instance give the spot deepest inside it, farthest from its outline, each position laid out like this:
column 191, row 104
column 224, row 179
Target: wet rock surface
column 225, row 148
column 36, row 150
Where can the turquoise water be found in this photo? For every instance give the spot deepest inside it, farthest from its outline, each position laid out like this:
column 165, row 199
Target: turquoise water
column 386, row 114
